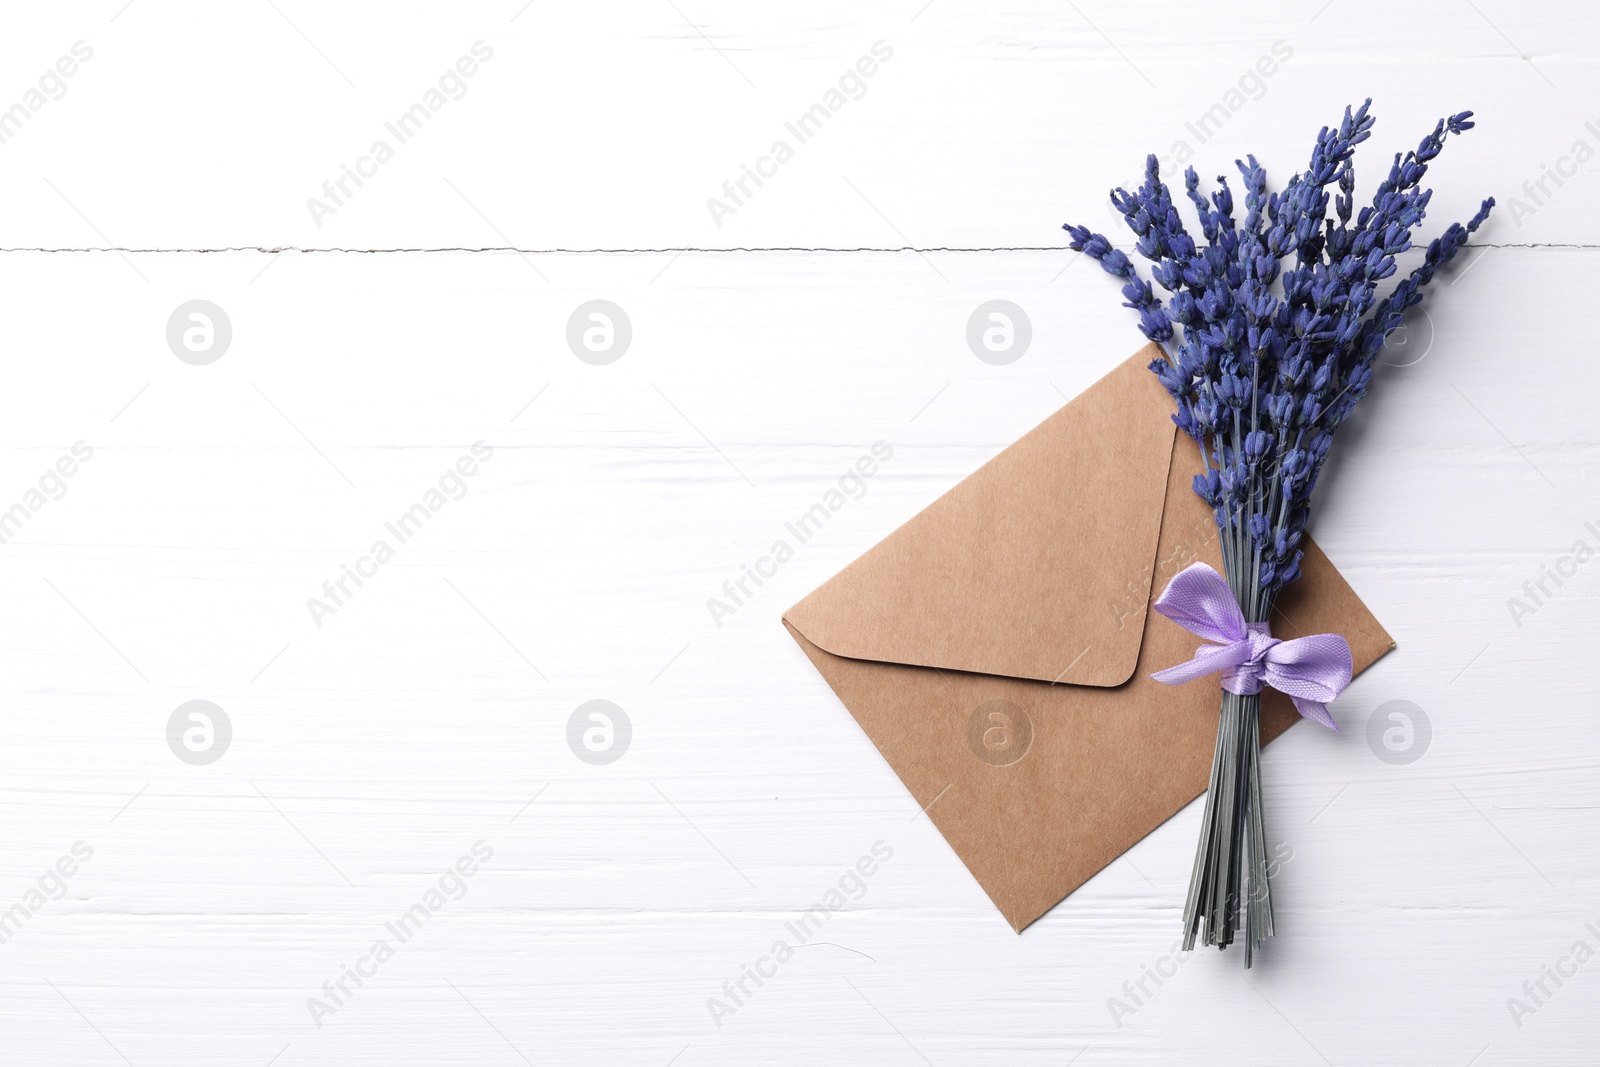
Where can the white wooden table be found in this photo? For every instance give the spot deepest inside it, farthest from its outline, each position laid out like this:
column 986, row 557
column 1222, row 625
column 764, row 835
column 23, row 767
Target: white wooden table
column 376, row 741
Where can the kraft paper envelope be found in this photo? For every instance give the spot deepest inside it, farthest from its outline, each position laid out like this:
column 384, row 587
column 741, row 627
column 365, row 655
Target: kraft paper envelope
column 997, row 647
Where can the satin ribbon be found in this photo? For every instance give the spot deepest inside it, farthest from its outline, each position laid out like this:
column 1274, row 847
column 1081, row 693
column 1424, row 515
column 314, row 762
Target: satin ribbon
column 1311, row 670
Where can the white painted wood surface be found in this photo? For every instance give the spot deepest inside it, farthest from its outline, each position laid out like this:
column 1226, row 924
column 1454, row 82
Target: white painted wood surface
column 429, row 712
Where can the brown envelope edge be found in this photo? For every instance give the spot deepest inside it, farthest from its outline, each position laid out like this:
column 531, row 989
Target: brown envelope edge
column 1076, row 505
column 1108, row 765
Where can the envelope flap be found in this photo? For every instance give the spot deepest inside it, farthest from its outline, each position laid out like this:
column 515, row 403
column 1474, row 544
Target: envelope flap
column 1038, row 565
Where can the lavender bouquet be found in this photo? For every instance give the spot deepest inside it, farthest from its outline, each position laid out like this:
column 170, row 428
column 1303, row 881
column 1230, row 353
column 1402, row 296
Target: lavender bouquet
column 1265, row 361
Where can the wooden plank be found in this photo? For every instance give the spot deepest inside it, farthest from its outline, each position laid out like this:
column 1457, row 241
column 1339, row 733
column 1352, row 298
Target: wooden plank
column 197, row 126
column 430, row 710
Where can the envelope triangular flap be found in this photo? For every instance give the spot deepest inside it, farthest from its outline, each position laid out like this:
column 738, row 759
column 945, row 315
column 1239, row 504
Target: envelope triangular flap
column 1038, row 565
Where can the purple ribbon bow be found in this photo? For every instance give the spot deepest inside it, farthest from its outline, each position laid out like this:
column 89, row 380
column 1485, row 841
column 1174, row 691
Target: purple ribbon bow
column 1311, row 670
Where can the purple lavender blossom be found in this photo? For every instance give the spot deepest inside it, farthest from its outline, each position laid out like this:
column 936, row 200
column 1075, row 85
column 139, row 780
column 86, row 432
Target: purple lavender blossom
column 1269, row 331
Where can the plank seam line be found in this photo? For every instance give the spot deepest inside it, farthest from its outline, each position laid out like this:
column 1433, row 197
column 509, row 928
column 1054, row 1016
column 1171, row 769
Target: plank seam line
column 473, row 250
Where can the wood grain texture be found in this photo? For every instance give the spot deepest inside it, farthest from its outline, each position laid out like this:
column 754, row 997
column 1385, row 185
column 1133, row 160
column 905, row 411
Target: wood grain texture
column 430, row 711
